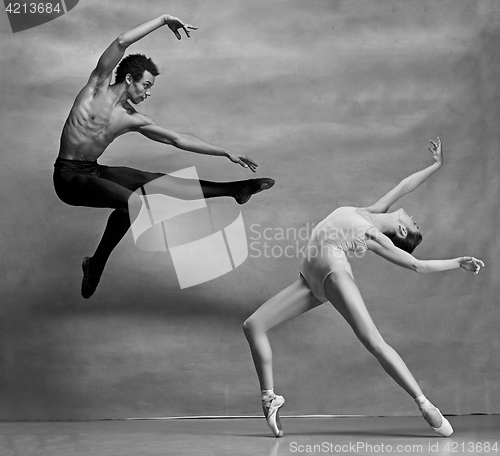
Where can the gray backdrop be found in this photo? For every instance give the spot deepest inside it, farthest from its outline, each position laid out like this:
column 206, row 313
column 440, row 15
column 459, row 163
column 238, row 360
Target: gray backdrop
column 336, row 100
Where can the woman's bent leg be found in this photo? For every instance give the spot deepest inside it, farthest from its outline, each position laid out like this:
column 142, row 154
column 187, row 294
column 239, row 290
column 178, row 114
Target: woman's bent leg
column 287, row 304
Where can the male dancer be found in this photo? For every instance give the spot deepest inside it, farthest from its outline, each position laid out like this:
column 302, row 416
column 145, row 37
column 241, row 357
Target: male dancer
column 101, row 112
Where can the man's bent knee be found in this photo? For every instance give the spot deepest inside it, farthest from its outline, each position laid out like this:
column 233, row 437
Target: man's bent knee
column 134, row 206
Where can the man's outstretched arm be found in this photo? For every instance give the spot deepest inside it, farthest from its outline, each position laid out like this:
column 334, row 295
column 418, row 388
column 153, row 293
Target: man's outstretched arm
column 114, row 53
column 191, row 143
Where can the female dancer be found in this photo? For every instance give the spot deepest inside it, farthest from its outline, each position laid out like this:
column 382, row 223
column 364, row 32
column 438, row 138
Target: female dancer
column 325, row 275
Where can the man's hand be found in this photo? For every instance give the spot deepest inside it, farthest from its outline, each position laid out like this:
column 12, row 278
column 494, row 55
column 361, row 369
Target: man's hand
column 471, row 264
column 244, row 161
column 175, row 24
column 437, row 151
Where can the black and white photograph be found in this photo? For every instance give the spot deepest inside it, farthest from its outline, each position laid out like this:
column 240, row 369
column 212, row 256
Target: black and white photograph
column 249, row 227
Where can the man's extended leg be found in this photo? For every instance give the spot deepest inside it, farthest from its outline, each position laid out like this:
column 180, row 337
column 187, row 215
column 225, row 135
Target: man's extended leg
column 187, row 189
column 117, row 186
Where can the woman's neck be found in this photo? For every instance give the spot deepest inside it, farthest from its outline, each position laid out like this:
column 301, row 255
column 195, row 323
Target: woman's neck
column 385, row 222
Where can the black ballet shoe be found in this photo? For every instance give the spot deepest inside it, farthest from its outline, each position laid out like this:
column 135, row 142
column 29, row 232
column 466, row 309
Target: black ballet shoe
column 88, row 288
column 254, row 186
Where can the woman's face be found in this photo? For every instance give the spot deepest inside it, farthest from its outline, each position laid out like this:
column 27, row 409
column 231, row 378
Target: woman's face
column 407, row 220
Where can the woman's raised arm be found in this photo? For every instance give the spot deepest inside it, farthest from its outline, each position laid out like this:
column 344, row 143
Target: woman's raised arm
column 410, row 183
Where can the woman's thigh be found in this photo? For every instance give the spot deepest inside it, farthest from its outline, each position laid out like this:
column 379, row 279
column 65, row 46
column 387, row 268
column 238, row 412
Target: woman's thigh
column 344, row 295
column 287, row 304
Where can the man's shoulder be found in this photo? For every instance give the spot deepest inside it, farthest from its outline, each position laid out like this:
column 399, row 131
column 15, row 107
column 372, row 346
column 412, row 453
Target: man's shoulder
column 99, row 81
column 129, row 109
column 135, row 118
column 90, row 92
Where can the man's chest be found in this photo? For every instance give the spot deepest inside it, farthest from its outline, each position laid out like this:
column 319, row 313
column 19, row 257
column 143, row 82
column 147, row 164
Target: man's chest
column 107, row 120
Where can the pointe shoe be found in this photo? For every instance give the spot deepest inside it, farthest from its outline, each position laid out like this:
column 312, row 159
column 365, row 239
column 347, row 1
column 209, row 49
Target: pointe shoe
column 445, row 430
column 271, row 408
column 87, row 288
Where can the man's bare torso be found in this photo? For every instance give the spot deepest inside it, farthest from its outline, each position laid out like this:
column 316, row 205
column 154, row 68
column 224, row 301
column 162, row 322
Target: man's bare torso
column 94, row 121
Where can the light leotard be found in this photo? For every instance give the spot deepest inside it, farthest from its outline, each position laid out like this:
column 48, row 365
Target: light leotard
column 341, row 232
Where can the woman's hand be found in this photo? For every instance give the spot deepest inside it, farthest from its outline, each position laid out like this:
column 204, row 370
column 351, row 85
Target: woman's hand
column 437, row 151
column 471, row 264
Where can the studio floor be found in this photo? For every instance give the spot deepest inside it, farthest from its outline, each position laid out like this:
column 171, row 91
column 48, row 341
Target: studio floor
column 474, row 435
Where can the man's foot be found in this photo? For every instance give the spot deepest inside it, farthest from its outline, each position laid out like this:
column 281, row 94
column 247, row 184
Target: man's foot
column 434, row 418
column 89, row 284
column 271, row 406
column 253, row 186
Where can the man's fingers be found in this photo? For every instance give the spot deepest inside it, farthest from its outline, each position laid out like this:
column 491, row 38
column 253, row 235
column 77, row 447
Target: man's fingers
column 244, row 161
column 250, row 165
column 251, row 168
column 176, row 33
column 240, row 161
column 433, row 143
column 180, row 25
column 248, row 160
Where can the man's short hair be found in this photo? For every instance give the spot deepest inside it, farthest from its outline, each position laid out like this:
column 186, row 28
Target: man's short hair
column 135, row 65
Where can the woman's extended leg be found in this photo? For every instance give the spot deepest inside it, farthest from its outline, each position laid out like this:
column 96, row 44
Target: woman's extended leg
column 287, row 304
column 343, row 293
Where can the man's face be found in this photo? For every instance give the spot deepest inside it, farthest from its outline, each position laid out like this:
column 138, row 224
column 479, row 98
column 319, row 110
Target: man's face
column 140, row 90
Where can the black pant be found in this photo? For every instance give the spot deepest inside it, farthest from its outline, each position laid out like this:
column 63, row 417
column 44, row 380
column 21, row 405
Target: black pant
column 87, row 183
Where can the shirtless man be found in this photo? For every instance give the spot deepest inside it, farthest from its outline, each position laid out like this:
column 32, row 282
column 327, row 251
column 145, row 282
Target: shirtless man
column 103, row 111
